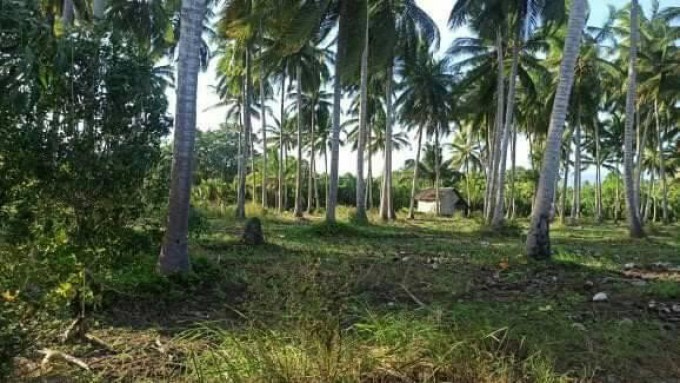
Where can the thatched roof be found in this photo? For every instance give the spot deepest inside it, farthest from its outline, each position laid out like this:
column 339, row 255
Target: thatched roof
column 429, row 195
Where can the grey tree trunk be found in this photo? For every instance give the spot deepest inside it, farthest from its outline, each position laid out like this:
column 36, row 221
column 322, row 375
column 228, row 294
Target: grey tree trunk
column 310, row 178
column 498, row 132
column 263, row 121
column 437, row 171
column 297, row 211
column 499, row 210
column 538, row 240
column 649, row 198
column 598, row 173
column 332, row 199
column 174, row 256
column 369, row 171
column 67, row 13
column 563, row 202
column 282, row 115
column 576, row 200
column 241, row 188
column 98, row 9
column 662, row 165
column 412, row 206
column 634, row 223
column 386, row 206
column 513, row 206
column 363, row 120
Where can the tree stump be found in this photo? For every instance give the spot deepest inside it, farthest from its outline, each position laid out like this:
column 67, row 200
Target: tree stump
column 252, row 235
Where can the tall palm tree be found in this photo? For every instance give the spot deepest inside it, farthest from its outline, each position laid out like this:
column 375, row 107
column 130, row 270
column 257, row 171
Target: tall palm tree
column 174, row 255
column 424, row 101
column 634, row 222
column 466, row 158
column 538, row 240
column 401, row 25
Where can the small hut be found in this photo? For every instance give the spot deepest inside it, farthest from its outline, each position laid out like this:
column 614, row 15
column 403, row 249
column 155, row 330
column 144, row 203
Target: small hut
column 449, row 198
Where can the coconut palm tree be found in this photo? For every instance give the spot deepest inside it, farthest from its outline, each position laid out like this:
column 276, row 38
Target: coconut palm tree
column 634, row 222
column 174, row 255
column 538, row 240
column 467, row 158
column 424, row 101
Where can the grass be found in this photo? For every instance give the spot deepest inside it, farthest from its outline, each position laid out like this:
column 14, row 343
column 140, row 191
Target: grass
column 430, row 300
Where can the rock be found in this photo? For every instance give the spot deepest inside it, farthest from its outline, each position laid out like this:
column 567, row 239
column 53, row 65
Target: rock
column 629, row 266
column 252, row 234
column 554, row 278
column 405, row 259
column 600, row 297
column 579, row 326
column 626, row 322
column 676, row 308
column 435, row 266
column 639, row 283
column 588, row 285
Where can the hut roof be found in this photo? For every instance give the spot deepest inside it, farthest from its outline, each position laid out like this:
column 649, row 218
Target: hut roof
column 429, row 195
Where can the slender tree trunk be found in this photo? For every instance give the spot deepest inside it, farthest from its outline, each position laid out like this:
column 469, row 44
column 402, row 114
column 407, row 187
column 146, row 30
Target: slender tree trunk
column 282, row 180
column 317, row 201
column 174, row 255
column 241, row 188
column 363, row 120
column 285, row 180
column 499, row 211
column 634, row 224
column 649, row 199
column 263, row 120
column 563, row 210
column 437, row 171
column 598, row 172
column 310, row 179
column 369, row 172
column 662, row 165
column 297, row 211
column 498, row 131
column 538, row 240
column 487, row 165
column 639, row 160
column 67, row 13
column 332, row 195
column 412, row 206
column 386, row 205
column 325, row 162
column 576, row 199
column 513, row 206
column 247, row 123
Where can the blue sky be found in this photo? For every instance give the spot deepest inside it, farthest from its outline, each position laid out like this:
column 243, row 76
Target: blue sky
column 437, row 9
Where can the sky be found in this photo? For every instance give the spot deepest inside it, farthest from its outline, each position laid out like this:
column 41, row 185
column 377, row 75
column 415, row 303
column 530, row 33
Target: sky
column 210, row 118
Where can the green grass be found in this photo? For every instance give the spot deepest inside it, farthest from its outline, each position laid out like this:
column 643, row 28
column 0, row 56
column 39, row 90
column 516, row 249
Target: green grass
column 431, row 300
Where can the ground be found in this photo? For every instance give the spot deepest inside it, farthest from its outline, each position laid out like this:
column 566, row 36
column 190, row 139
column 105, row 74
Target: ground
column 429, row 300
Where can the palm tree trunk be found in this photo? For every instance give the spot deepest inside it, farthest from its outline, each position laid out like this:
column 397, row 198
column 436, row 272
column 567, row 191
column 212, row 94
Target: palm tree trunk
column 174, row 255
column 369, row 171
column 639, row 162
column 412, row 206
column 263, row 121
column 662, row 165
column 498, row 132
column 247, row 123
column 282, row 115
column 240, row 189
column 598, row 172
column 310, row 179
column 634, row 224
column 437, row 171
column 325, row 164
column 563, row 210
column 67, row 13
column 316, row 184
column 332, row 197
column 363, row 119
column 650, row 197
column 538, row 240
column 499, row 211
column 285, row 180
column 386, row 206
column 297, row 211
column 513, row 207
column 576, row 199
